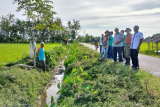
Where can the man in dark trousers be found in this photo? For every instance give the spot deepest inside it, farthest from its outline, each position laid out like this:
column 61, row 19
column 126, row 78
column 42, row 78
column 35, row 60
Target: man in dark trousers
column 136, row 42
column 117, row 45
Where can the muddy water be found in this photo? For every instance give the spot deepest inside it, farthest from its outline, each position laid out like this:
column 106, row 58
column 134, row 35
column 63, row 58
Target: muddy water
column 52, row 89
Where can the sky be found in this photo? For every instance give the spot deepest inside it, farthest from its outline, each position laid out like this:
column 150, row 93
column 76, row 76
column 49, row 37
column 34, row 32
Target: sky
column 97, row 16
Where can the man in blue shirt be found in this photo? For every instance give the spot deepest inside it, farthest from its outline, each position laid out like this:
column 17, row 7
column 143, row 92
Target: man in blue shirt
column 41, row 55
column 136, row 42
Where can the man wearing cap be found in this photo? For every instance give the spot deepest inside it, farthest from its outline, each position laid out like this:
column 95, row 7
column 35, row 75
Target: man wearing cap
column 105, row 43
column 136, row 42
column 41, row 55
column 127, row 46
column 117, row 45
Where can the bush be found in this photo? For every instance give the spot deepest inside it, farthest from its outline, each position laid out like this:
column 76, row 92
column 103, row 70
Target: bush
column 91, row 83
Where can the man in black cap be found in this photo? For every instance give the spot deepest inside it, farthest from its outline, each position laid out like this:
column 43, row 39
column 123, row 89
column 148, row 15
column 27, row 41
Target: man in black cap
column 136, row 42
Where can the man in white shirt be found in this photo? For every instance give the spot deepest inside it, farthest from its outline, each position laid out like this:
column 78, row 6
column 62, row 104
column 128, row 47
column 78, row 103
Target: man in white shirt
column 136, row 42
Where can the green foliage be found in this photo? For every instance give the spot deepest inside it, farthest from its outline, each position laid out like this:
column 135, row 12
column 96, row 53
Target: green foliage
column 91, row 83
column 18, row 86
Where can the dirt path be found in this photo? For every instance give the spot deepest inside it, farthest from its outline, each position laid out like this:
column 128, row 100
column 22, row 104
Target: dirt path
column 149, row 63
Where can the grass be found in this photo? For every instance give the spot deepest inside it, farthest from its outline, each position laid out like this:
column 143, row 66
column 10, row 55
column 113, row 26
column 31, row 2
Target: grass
column 144, row 49
column 89, row 82
column 20, row 86
column 10, row 52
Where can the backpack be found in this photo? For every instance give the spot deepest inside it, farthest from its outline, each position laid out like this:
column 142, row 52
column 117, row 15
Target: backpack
column 105, row 42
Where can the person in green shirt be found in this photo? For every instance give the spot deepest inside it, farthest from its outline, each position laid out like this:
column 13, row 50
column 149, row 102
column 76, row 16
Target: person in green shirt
column 123, row 43
column 110, row 51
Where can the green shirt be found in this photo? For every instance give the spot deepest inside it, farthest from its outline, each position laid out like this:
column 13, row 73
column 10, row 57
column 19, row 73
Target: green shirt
column 111, row 41
column 124, row 40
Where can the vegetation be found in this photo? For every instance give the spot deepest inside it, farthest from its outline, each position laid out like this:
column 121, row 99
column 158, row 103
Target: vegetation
column 91, row 83
column 20, row 86
column 144, row 50
column 150, row 37
column 87, row 39
column 10, row 52
column 40, row 24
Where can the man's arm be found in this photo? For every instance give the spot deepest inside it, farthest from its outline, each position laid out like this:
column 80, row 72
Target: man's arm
column 139, row 44
column 120, row 41
column 37, row 51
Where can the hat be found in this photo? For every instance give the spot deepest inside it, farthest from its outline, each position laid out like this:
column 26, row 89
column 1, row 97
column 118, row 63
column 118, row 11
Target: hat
column 116, row 28
column 107, row 31
column 128, row 29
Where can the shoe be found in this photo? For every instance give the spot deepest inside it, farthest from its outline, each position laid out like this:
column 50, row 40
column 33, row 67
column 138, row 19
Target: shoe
column 133, row 66
column 100, row 58
column 136, row 69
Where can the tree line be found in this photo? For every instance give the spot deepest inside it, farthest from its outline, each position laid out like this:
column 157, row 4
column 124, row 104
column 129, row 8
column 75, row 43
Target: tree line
column 88, row 38
column 40, row 24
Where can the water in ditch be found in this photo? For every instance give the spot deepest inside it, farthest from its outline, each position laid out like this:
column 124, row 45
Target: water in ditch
column 52, row 89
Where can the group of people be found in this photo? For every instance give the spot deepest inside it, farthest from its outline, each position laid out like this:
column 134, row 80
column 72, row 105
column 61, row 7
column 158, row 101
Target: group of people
column 127, row 46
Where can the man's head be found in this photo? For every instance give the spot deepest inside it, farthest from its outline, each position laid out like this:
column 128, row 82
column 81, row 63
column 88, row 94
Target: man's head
column 128, row 30
column 111, row 33
column 136, row 28
column 102, row 35
column 42, row 44
column 116, row 30
column 107, row 33
column 122, row 31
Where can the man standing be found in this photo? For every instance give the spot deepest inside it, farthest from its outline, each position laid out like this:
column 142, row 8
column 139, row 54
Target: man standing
column 41, row 55
column 127, row 46
column 101, row 43
column 105, row 43
column 136, row 42
column 123, row 43
column 110, row 50
column 117, row 45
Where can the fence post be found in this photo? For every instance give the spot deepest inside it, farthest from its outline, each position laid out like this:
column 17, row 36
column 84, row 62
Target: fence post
column 157, row 47
column 148, row 46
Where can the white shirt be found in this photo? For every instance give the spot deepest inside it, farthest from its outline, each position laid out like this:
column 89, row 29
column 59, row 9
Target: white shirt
column 136, row 40
column 101, row 41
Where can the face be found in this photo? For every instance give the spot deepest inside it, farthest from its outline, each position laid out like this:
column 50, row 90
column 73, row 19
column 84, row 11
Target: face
column 102, row 35
column 128, row 31
column 136, row 29
column 122, row 31
column 42, row 45
column 107, row 33
column 116, row 30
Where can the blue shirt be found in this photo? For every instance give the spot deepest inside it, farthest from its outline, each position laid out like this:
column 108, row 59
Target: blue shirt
column 41, row 54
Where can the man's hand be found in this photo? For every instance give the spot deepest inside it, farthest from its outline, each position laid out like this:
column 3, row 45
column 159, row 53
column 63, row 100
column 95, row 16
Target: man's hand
column 138, row 48
column 117, row 43
column 129, row 45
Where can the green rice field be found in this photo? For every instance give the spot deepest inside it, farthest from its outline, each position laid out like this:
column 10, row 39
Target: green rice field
column 9, row 52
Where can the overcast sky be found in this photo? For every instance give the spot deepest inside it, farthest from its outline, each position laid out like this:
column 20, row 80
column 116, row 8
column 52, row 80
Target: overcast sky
column 96, row 16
